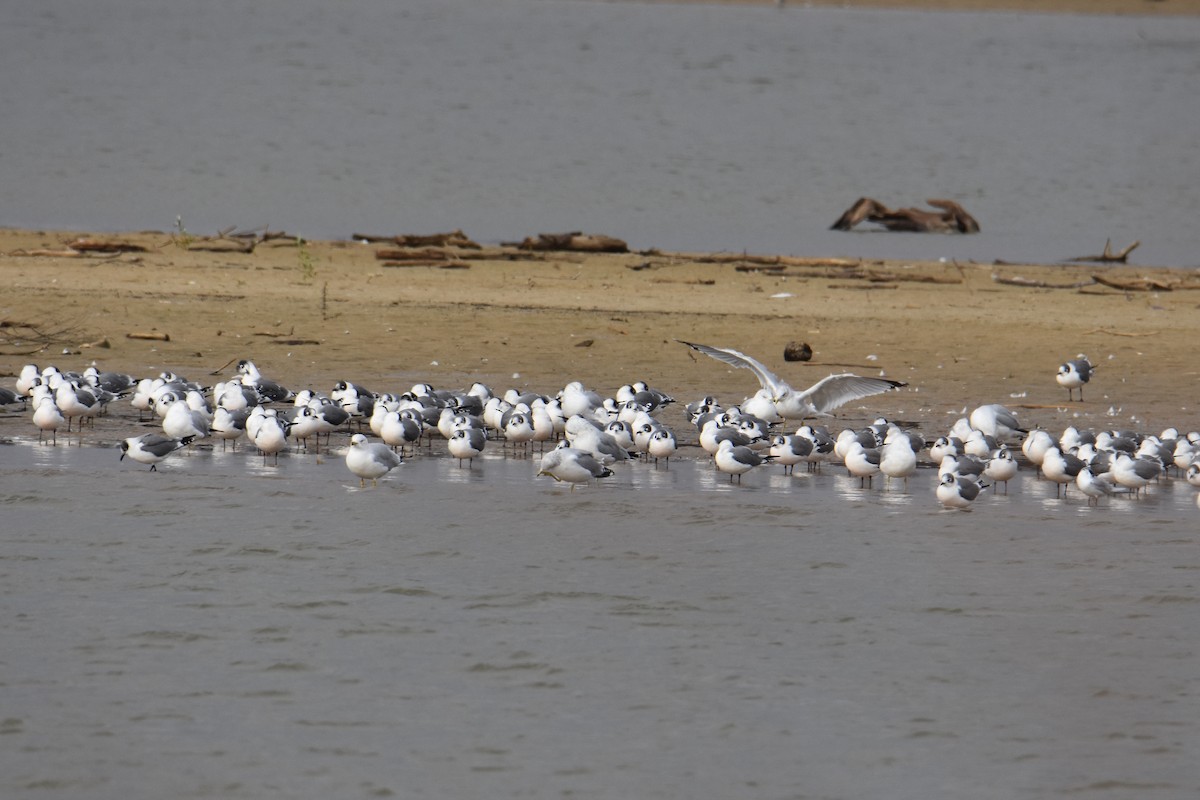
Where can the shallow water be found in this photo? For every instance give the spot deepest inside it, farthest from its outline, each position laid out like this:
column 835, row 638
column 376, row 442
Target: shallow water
column 224, row 629
column 679, row 127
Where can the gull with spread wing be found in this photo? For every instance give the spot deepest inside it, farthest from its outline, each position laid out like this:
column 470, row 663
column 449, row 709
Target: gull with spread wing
column 816, row 401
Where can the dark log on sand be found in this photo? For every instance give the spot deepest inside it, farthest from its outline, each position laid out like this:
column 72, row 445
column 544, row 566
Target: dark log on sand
column 97, row 246
column 451, row 239
column 575, row 241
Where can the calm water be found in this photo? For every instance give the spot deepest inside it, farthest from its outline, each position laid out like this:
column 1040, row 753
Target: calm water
column 692, row 128
column 221, row 629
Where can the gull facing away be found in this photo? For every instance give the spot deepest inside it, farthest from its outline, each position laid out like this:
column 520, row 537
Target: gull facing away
column 817, row 400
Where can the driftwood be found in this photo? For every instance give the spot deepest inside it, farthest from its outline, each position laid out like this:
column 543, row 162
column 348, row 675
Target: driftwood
column 431, row 263
column 232, row 240
column 388, row 254
column 1137, row 284
column 153, row 336
column 951, row 218
column 1120, row 333
column 1108, row 256
column 450, row 239
column 574, row 241
column 1017, row 280
column 43, row 253
column 748, row 263
column 33, row 338
column 98, row 246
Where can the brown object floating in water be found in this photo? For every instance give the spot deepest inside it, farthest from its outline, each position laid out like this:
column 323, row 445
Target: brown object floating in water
column 951, row 218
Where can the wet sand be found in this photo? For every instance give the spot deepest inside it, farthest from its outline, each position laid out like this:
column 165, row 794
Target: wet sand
column 313, row 313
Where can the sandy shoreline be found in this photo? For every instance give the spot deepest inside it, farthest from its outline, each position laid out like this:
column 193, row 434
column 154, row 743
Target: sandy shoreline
column 312, row 314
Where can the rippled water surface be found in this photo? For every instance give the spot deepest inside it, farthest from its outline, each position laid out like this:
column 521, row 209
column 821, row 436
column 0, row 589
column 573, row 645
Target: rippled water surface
column 680, row 127
column 224, row 629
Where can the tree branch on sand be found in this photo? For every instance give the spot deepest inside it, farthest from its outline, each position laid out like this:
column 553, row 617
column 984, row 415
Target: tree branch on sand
column 1108, row 256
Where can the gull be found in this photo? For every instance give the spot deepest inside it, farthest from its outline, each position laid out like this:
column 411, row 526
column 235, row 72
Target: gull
column 861, row 462
column 518, row 429
column 1193, row 474
column 737, row 460
column 572, row 465
column 401, row 428
column 370, row 460
column 466, row 443
column 1001, row 467
column 1074, row 374
column 790, row 450
column 9, row 397
column 662, row 445
column 75, row 402
column 823, row 444
column 150, row 448
column 583, row 435
column 1062, row 468
column 996, row 421
column 181, row 421
column 957, row 492
column 713, row 432
column 1135, row 473
column 228, row 425
column 818, row 400
column 897, row 458
column 270, row 435
column 1035, row 446
column 266, row 388
column 1097, row 486
column 115, row 382
column 577, row 400
column 621, row 432
column 29, row 377
column 47, row 417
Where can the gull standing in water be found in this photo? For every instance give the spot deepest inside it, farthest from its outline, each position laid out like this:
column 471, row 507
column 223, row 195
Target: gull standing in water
column 572, row 465
column 370, row 460
column 737, row 460
column 818, row 400
column 957, row 492
column 150, row 448
column 466, row 443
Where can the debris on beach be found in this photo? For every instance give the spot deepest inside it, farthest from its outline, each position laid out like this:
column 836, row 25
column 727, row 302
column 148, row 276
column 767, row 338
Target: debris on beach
column 1108, row 256
column 575, row 241
column 454, row 238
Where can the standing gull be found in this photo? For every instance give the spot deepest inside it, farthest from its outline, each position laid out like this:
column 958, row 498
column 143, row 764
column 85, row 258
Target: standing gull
column 954, row 491
column 370, row 460
column 1074, row 374
column 737, row 460
column 150, row 448
column 818, row 400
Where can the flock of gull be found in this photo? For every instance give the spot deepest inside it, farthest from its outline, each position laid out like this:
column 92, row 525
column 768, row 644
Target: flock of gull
column 582, row 435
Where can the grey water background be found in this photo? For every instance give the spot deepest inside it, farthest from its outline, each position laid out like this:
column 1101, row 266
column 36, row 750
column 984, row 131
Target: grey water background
column 678, row 127
column 227, row 629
